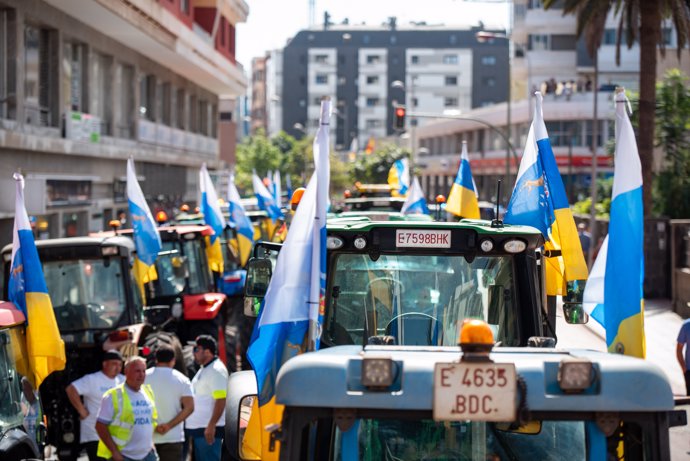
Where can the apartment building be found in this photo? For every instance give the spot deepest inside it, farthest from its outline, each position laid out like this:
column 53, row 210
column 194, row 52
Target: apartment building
column 86, row 84
column 366, row 70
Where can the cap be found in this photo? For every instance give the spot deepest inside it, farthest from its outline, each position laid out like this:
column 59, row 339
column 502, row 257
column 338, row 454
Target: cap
column 207, row 342
column 112, row 354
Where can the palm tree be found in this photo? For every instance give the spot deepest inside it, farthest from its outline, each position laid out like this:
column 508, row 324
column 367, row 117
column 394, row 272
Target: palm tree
column 639, row 21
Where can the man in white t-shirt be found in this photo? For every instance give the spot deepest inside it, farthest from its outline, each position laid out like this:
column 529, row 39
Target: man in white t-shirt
column 92, row 387
column 172, row 392
column 127, row 417
column 206, row 426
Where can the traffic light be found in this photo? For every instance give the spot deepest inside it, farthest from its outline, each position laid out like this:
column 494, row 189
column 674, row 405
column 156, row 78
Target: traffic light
column 399, row 123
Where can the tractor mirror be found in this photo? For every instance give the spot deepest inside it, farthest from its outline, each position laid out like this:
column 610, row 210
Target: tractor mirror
column 574, row 313
column 259, row 272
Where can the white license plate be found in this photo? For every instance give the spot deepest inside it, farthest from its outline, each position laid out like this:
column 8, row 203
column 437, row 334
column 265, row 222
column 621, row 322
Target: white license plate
column 475, row 392
column 419, row 238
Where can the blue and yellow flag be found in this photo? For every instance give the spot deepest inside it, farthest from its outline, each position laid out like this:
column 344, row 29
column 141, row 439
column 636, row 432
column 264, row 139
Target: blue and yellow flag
column 613, row 294
column 213, row 218
column 243, row 225
column 147, row 240
column 27, row 290
column 399, row 178
column 539, row 200
column 462, row 199
column 290, row 320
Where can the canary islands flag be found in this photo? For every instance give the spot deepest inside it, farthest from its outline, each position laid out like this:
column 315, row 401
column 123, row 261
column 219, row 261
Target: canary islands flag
column 243, row 225
column 294, row 300
column 265, row 199
column 213, row 218
column 415, row 203
column 399, row 178
column 613, row 294
column 462, row 199
column 539, row 200
column 27, row 290
column 277, row 189
column 147, row 240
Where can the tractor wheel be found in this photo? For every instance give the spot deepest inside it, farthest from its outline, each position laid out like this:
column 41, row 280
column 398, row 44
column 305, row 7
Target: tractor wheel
column 155, row 339
column 190, row 365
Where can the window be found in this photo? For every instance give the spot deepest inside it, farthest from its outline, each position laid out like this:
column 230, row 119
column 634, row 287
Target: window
column 203, row 118
column 450, row 59
column 451, row 80
column 166, row 116
column 147, row 89
column 74, row 62
column 415, row 102
column 372, row 79
column 40, row 76
column 667, row 36
column 538, row 42
column 193, row 114
column 372, row 102
column 562, row 42
column 184, row 6
column 489, row 60
column 609, row 37
column 181, row 109
column 414, row 59
column 102, row 90
column 321, row 58
column 373, row 123
column 373, row 59
column 317, row 101
column 489, row 81
column 8, row 52
column 450, row 102
column 125, row 125
column 321, row 79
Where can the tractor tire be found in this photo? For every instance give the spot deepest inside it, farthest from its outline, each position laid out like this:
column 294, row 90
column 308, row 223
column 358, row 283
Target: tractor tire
column 190, row 365
column 155, row 339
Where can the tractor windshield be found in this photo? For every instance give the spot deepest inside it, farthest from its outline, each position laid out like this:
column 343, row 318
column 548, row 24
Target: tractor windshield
column 86, row 293
column 181, row 268
column 471, row 441
column 419, row 300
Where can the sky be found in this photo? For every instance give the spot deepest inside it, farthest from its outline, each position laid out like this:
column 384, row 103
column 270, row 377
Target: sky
column 272, row 22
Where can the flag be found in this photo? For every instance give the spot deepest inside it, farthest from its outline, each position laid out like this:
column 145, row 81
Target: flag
column 399, row 178
column 243, row 225
column 147, row 240
column 293, row 304
column 462, row 199
column 27, row 290
column 539, row 201
column 288, row 187
column 213, row 218
column 277, row 189
column 265, row 199
column 415, row 203
column 613, row 294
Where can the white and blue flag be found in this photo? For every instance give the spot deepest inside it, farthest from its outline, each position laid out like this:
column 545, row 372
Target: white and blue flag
column 209, row 204
column 265, row 199
column 613, row 295
column 294, row 300
column 146, row 238
column 277, row 189
column 415, row 203
column 243, row 225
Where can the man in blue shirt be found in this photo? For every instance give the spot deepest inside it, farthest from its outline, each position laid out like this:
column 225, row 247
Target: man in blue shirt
column 684, row 361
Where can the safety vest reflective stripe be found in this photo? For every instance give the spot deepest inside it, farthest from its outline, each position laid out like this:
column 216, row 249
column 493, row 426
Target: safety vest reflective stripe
column 120, row 428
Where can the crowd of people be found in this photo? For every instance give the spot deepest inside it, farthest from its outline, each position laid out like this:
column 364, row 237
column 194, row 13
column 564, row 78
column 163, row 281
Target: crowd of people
column 154, row 414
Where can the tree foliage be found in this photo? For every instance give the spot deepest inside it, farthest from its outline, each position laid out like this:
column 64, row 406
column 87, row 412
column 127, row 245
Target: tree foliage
column 373, row 168
column 292, row 157
column 672, row 185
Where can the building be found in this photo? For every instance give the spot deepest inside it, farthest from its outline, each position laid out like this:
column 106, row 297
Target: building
column 366, row 70
column 85, row 84
column 568, row 122
column 259, row 118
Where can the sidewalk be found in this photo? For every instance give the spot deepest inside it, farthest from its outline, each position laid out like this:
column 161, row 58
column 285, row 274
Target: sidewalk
column 661, row 326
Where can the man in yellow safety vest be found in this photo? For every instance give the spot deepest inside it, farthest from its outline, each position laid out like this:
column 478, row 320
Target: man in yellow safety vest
column 128, row 417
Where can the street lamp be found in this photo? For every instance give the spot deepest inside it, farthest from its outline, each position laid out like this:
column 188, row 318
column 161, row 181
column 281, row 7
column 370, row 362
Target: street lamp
column 482, row 37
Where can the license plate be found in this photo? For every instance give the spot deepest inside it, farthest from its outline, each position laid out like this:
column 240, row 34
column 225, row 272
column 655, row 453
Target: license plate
column 475, row 392
column 419, row 238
